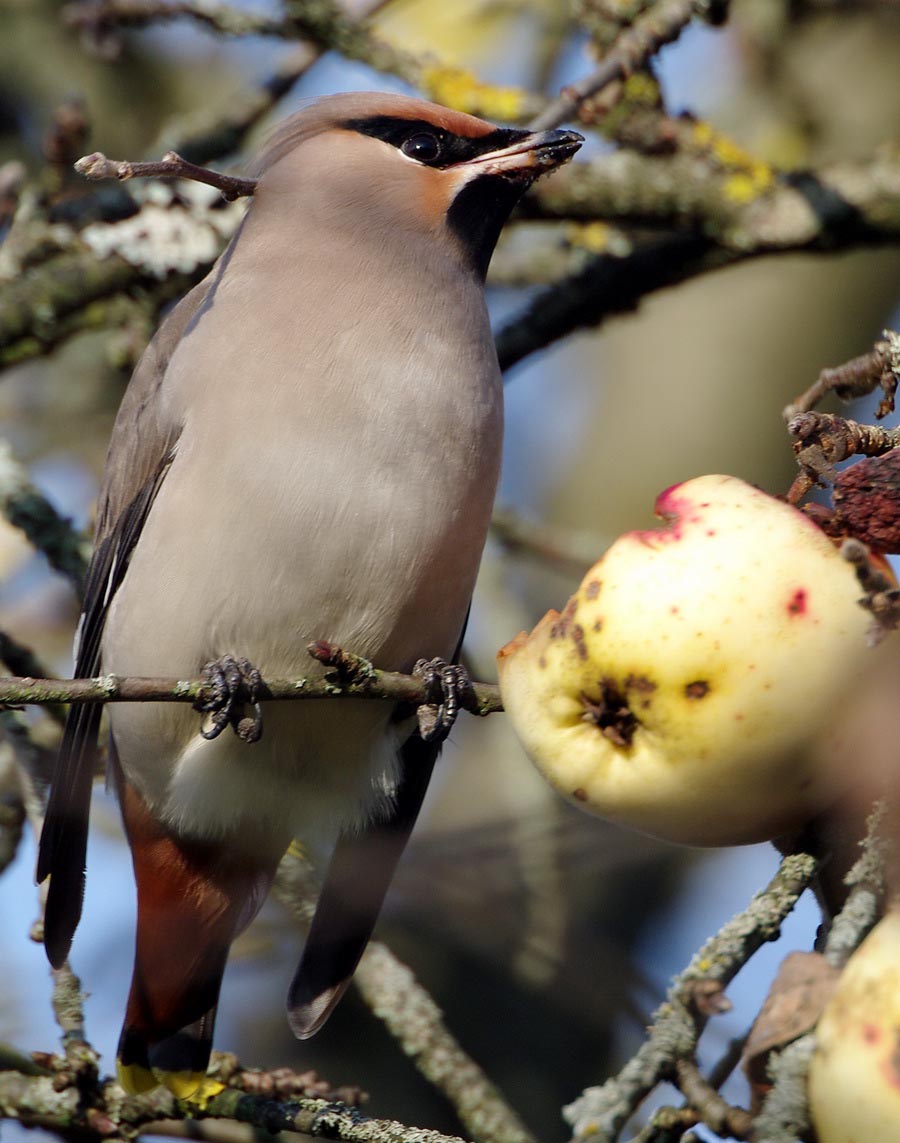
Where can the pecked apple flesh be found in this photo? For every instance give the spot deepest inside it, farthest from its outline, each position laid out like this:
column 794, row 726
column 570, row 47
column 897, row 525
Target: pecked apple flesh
column 700, row 684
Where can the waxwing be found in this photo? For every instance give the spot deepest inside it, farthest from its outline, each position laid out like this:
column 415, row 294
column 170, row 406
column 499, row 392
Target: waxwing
column 308, row 449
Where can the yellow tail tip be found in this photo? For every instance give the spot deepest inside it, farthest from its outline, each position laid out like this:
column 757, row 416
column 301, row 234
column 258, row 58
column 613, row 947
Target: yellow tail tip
column 135, row 1079
column 197, row 1087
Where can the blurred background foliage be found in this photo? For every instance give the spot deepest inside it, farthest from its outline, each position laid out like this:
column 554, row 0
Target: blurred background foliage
column 546, row 937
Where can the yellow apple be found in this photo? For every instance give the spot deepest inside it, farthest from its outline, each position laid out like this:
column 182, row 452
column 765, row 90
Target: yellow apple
column 854, row 1076
column 699, row 684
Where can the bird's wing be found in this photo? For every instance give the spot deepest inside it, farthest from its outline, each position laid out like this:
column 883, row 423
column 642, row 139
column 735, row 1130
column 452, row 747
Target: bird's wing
column 358, row 877
column 361, row 869
column 140, row 453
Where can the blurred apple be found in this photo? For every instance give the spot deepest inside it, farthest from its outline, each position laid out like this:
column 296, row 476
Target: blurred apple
column 854, row 1077
column 700, row 684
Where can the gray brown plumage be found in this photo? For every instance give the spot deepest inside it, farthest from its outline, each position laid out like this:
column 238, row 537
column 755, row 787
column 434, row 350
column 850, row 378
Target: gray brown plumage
column 308, row 450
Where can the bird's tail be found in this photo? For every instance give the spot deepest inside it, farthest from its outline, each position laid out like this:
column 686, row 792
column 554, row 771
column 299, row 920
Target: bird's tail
column 357, row 880
column 194, row 898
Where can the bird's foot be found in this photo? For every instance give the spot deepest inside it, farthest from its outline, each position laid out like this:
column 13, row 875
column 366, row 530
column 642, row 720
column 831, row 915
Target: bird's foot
column 448, row 688
column 229, row 683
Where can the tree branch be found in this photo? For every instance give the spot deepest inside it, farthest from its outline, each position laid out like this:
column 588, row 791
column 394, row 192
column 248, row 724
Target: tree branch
column 52, row 1103
column 717, row 1113
column 711, row 187
column 395, row 997
column 660, row 25
column 415, row 1021
column 326, row 25
column 29, row 510
column 600, row 1113
column 368, row 682
column 96, row 17
column 880, row 367
column 607, row 286
column 172, row 166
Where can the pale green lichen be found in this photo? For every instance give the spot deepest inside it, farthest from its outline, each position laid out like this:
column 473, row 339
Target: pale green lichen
column 893, row 340
column 176, row 229
column 109, row 684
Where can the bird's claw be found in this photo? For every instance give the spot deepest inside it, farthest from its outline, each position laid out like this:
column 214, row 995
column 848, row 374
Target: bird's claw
column 447, row 686
column 228, row 682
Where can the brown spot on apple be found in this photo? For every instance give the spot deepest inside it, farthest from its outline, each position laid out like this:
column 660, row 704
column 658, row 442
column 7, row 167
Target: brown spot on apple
column 598, row 624
column 643, row 686
column 593, row 589
column 871, row 1033
column 580, row 795
column 578, row 640
column 698, row 689
column 564, row 622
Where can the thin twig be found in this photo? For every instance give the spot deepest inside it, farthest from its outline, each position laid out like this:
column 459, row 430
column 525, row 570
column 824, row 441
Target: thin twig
column 717, row 1113
column 415, row 1021
column 395, row 997
column 856, row 378
column 384, row 685
column 600, row 1112
column 662, row 24
column 865, row 901
column 12, row 807
column 728, row 1061
column 172, row 166
column 329, row 27
column 28, row 509
column 93, row 16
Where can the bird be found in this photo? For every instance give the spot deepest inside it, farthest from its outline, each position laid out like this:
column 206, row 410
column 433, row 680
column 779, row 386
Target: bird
column 308, row 449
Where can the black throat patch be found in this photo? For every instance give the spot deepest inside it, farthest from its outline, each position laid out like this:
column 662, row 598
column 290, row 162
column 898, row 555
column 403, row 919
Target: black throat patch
column 477, row 214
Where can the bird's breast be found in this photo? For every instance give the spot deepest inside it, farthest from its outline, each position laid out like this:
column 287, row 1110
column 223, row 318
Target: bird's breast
column 333, row 479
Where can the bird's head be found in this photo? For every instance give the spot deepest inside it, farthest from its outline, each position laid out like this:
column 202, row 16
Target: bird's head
column 401, row 166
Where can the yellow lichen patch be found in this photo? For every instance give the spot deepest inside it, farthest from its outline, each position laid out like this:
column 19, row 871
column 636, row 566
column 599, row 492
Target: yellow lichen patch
column 598, row 238
column 460, row 89
column 742, row 188
column 593, row 236
column 641, row 88
column 750, row 176
column 703, row 134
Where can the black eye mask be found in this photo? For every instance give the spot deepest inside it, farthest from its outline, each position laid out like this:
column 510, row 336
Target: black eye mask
column 430, row 145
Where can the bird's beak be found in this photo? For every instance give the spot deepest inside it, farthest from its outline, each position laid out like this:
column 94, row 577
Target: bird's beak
column 529, row 156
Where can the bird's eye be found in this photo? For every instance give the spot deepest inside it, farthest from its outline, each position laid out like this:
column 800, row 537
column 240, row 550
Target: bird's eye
column 423, row 147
